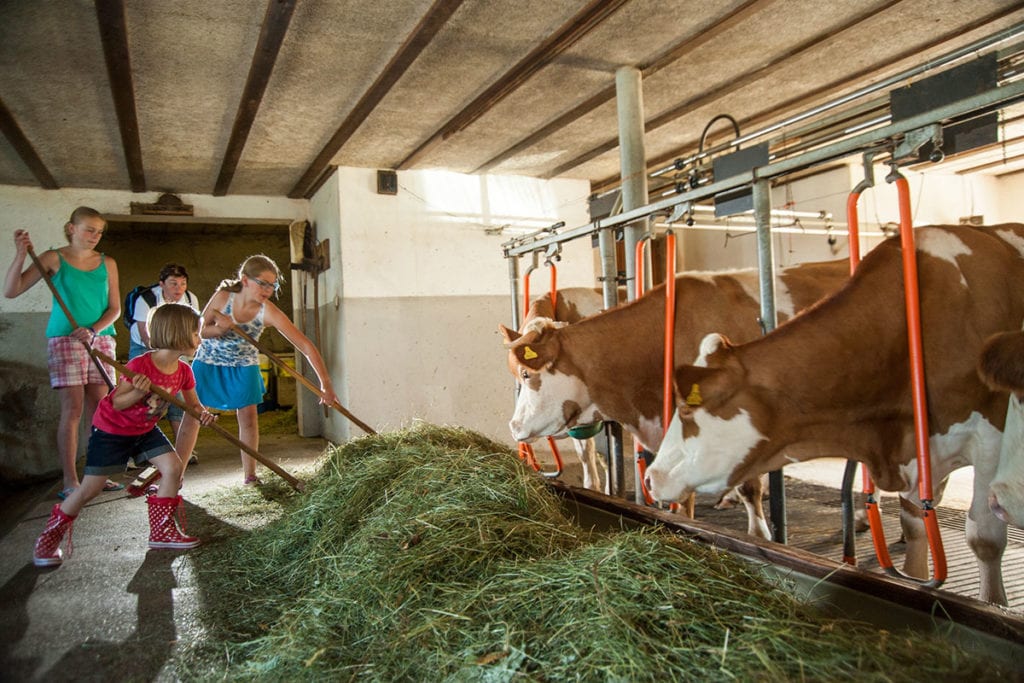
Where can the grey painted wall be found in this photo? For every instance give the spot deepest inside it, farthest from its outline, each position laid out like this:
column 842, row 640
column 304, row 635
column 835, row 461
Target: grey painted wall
column 31, row 410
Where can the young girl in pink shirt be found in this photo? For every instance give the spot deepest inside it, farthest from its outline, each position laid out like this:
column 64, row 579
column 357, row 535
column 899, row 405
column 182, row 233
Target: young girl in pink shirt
column 124, row 426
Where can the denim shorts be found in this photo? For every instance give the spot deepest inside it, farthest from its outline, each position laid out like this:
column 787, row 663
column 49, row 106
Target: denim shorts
column 108, row 453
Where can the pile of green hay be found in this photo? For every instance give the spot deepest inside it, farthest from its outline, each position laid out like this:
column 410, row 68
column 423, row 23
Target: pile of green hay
column 431, row 554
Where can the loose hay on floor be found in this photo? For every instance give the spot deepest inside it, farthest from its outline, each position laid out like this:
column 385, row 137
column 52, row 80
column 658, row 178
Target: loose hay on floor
column 431, row 554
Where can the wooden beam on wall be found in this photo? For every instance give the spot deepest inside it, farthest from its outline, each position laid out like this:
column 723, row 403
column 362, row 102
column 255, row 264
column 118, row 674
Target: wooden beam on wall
column 414, row 44
column 114, row 36
column 565, row 37
column 275, row 25
column 12, row 131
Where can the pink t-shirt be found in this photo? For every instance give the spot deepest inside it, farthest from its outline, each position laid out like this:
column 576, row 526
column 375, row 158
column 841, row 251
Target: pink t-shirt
column 142, row 416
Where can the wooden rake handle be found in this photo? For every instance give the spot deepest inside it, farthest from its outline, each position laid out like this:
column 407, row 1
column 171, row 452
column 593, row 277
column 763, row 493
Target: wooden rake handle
column 273, row 466
column 301, row 379
column 67, row 312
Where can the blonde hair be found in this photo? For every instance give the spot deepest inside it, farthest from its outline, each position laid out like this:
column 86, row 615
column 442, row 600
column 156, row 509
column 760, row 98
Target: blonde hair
column 78, row 215
column 251, row 268
column 171, row 326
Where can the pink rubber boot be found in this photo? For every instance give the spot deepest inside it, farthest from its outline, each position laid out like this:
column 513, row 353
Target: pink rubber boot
column 163, row 527
column 47, row 552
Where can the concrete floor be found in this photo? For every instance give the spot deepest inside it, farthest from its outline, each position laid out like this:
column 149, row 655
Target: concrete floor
column 114, row 610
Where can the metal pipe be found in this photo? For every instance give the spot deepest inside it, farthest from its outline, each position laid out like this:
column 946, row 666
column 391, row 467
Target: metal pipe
column 668, row 395
column 915, row 347
column 769, row 321
column 513, row 281
column 609, row 269
column 642, row 456
column 632, row 161
column 864, row 142
column 956, row 55
column 868, row 486
column 633, row 171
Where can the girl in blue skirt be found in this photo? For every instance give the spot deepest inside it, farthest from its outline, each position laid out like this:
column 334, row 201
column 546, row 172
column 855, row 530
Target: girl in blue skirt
column 226, row 366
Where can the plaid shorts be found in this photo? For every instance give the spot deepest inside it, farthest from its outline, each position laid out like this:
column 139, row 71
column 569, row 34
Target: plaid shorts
column 70, row 364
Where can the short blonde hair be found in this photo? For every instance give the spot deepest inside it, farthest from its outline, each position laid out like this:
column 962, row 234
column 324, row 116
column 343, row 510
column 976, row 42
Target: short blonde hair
column 171, row 326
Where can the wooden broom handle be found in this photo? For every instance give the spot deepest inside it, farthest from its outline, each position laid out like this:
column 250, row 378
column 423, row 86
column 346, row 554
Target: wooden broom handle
column 162, row 393
column 302, row 379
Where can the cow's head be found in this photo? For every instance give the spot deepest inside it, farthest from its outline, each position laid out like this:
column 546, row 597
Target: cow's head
column 550, row 400
column 1001, row 366
column 712, row 433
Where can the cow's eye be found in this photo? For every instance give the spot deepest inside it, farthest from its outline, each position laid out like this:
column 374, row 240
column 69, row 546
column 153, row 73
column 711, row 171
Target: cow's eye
column 524, row 373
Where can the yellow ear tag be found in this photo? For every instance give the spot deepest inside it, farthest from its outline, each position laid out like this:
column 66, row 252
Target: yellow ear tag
column 694, row 398
column 528, row 353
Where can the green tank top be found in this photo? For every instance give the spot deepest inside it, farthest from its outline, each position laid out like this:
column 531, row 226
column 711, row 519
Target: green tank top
column 86, row 294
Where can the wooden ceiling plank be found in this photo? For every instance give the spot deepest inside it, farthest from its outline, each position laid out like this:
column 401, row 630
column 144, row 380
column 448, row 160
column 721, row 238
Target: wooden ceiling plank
column 114, row 37
column 275, row 26
column 319, row 182
column 421, row 36
column 12, row 131
column 585, row 21
column 710, row 96
column 677, row 51
column 833, row 88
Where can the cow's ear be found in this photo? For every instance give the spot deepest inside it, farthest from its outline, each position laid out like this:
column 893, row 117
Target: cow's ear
column 700, row 387
column 536, row 353
column 508, row 335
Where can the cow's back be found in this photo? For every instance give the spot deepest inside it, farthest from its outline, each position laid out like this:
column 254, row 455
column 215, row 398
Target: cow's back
column 729, row 302
column 572, row 304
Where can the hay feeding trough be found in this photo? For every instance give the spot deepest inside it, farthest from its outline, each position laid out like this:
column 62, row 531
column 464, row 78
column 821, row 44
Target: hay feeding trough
column 431, row 554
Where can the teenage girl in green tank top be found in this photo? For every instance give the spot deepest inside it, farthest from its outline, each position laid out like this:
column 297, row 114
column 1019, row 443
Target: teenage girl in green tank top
column 87, row 282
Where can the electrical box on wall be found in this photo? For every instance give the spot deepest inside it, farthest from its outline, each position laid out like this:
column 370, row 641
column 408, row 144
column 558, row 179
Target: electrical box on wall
column 387, row 182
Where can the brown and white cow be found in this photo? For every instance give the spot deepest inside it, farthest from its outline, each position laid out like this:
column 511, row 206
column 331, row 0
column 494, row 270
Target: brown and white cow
column 572, row 304
column 1002, row 367
column 836, row 380
column 610, row 366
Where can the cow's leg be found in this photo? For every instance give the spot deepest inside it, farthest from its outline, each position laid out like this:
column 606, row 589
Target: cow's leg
column 986, row 537
column 916, row 537
column 751, row 493
column 586, row 451
column 729, row 499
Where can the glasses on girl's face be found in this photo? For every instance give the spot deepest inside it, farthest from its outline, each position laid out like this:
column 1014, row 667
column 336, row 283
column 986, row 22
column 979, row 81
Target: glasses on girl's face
column 271, row 286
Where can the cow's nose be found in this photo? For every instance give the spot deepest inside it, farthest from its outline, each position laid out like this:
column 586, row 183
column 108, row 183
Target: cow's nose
column 647, row 483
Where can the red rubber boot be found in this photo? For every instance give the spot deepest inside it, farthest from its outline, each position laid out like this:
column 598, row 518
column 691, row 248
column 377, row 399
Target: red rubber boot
column 47, row 552
column 163, row 527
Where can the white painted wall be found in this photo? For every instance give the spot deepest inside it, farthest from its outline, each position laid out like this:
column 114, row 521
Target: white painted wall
column 420, row 288
column 44, row 212
column 936, row 198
